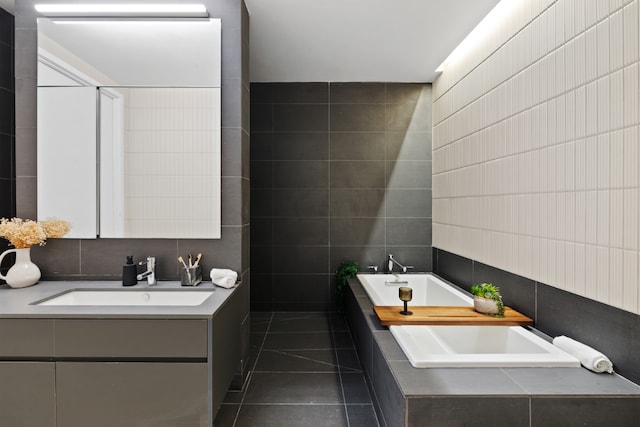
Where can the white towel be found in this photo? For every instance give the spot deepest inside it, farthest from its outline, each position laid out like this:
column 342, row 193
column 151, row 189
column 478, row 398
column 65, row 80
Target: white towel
column 224, row 277
column 590, row 358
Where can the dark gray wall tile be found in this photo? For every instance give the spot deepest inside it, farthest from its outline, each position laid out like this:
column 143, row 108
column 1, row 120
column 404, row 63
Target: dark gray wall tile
column 338, row 179
column 408, row 231
column 361, row 174
column 400, row 203
column 357, row 93
column 357, row 231
column 301, row 231
column 403, row 145
column 300, row 202
column 300, row 259
column 357, row 117
column 408, row 174
column 300, row 146
column 300, row 117
column 302, row 174
column 355, row 203
column 261, row 117
column 598, row 325
column 357, row 145
column 456, row 269
column 261, row 144
column 517, row 291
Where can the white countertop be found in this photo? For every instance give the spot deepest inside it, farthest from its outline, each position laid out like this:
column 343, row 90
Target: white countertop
column 18, row 303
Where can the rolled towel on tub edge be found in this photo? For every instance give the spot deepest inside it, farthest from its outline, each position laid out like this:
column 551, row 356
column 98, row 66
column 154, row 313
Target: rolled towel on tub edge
column 589, row 357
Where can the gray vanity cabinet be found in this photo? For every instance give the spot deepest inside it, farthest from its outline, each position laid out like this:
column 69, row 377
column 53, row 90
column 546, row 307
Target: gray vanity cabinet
column 27, row 396
column 107, row 394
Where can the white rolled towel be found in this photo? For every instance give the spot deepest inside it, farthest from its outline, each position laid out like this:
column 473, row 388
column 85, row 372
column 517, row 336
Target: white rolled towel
column 224, row 277
column 590, row 358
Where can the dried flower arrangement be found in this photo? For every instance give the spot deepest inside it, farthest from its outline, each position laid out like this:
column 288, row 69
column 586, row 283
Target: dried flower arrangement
column 22, row 233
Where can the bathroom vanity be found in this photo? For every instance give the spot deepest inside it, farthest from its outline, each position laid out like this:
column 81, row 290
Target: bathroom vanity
column 124, row 365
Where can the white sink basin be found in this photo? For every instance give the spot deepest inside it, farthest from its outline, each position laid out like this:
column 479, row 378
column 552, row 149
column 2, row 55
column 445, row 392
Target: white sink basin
column 137, row 297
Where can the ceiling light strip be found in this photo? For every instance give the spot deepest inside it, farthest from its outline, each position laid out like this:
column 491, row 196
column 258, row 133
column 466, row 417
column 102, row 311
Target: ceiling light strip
column 123, row 10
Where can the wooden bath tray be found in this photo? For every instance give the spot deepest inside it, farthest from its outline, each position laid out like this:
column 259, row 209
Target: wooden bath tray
column 447, row 315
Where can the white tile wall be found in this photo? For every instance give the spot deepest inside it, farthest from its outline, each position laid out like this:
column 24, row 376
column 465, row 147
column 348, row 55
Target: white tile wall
column 172, row 162
column 535, row 147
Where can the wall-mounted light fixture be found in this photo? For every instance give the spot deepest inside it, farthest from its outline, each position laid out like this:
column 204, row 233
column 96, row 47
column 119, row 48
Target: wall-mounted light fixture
column 123, row 10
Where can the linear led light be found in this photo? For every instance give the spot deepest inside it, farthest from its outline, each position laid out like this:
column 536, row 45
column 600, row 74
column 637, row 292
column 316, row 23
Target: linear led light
column 484, row 27
column 123, row 10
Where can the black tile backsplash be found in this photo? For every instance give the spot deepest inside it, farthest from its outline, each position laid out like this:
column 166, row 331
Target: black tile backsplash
column 613, row 331
column 332, row 182
column 7, row 127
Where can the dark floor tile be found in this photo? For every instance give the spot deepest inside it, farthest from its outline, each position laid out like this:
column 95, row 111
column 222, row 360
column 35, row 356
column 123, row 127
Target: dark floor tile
column 299, row 341
column 297, row 360
column 342, row 340
column 257, row 339
column 362, row 416
column 226, row 415
column 306, row 388
column 233, row 396
column 339, row 323
column 300, row 324
column 292, row 416
column 348, row 360
column 354, row 388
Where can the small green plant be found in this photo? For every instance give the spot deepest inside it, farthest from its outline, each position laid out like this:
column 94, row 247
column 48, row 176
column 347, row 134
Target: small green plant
column 492, row 292
column 347, row 270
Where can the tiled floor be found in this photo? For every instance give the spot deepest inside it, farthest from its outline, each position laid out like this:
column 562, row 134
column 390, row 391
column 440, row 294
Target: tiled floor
column 305, row 372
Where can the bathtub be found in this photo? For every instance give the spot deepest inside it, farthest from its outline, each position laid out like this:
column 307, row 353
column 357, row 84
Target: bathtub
column 459, row 346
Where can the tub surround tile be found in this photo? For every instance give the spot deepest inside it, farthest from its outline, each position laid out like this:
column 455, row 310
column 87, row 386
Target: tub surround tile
column 563, row 381
column 456, row 396
column 574, row 412
column 454, row 381
column 451, row 412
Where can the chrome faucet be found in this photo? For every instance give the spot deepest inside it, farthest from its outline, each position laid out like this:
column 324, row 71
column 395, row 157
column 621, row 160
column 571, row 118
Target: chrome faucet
column 392, row 261
column 150, row 274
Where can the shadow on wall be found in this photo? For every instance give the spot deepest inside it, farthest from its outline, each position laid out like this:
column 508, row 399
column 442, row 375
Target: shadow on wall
column 340, row 171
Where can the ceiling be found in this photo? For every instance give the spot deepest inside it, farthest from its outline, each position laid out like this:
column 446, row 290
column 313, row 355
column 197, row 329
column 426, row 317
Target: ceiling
column 357, row 40
column 8, row 5
column 354, row 40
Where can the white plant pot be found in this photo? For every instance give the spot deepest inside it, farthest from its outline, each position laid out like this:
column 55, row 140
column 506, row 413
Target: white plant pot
column 485, row 305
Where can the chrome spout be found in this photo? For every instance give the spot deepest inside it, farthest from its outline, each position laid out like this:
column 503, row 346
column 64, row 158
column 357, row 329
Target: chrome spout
column 150, row 274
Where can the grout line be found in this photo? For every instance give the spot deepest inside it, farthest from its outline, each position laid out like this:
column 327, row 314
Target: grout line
column 251, row 370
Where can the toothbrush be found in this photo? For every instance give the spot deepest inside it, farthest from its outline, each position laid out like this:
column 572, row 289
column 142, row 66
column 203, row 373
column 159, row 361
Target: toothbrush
column 180, row 259
column 190, row 263
column 195, row 264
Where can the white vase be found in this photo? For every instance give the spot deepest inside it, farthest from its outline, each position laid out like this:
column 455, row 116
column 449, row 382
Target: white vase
column 24, row 272
column 485, row 305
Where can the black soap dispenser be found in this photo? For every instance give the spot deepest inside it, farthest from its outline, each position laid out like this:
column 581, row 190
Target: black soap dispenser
column 129, row 272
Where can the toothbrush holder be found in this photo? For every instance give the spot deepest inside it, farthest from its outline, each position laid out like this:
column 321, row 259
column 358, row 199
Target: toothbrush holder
column 191, row 276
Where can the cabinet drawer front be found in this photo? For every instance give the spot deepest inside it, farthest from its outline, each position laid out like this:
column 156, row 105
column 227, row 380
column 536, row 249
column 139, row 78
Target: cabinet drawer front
column 20, row 338
column 130, row 338
column 109, row 394
column 27, row 391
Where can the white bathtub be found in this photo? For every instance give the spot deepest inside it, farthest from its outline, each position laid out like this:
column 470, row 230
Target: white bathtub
column 459, row 346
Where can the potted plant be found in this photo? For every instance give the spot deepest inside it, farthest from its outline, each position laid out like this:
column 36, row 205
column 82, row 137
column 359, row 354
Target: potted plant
column 487, row 299
column 347, row 270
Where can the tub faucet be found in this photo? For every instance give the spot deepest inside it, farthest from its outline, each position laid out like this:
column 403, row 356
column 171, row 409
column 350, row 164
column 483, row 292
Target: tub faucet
column 392, row 260
column 150, row 274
